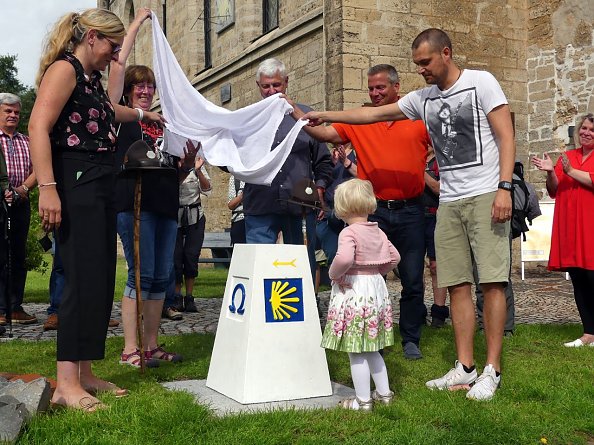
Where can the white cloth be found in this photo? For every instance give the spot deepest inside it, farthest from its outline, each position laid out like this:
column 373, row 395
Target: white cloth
column 456, row 119
column 240, row 140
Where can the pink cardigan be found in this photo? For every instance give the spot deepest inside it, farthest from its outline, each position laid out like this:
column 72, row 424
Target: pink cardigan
column 363, row 249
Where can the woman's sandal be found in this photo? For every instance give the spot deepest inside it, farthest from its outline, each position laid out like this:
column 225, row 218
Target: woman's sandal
column 133, row 359
column 385, row 399
column 111, row 388
column 363, row 406
column 86, row 404
column 161, row 354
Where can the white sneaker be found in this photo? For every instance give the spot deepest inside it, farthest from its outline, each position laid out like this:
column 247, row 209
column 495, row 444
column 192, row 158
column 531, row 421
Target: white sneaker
column 485, row 386
column 455, row 376
column 577, row 344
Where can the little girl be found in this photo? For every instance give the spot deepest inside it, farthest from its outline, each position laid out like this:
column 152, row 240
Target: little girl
column 360, row 311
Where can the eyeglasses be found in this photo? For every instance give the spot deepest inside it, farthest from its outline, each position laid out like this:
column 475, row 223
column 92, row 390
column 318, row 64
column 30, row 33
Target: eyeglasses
column 115, row 47
column 140, row 87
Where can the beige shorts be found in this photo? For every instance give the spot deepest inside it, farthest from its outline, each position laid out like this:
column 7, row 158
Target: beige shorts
column 464, row 228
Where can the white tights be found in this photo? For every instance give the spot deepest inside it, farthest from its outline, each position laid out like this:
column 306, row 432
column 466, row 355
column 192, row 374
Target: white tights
column 364, row 365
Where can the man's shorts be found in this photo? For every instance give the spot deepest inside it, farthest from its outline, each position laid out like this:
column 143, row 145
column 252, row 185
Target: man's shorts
column 464, row 228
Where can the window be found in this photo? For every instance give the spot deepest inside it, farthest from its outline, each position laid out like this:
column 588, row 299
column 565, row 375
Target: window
column 207, row 42
column 270, row 19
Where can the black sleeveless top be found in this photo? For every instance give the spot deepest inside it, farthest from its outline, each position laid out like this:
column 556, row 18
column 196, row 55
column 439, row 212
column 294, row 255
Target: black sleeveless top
column 86, row 121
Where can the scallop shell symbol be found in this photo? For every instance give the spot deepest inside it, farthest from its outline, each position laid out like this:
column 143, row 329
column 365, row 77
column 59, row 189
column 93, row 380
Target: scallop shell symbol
column 308, row 190
column 151, row 154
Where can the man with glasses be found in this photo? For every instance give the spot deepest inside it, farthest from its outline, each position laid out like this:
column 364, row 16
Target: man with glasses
column 15, row 149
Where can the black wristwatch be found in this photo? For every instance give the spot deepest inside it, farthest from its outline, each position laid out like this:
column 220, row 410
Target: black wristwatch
column 188, row 170
column 505, row 185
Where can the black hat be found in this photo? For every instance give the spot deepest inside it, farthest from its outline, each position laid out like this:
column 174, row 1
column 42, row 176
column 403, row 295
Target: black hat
column 305, row 194
column 141, row 157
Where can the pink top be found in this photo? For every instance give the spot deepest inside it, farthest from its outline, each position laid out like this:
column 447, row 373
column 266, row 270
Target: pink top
column 363, row 249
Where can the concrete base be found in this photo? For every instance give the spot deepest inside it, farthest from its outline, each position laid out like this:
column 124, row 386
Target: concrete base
column 222, row 405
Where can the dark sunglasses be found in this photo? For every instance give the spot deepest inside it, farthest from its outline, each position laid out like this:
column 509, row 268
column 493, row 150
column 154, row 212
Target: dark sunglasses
column 115, row 47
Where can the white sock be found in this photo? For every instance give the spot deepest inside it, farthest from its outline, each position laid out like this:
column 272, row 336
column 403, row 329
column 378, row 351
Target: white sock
column 361, row 377
column 379, row 373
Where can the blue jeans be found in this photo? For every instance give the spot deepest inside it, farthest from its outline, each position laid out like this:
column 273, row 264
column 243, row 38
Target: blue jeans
column 170, row 290
column 405, row 229
column 157, row 242
column 57, row 281
column 264, row 229
column 328, row 239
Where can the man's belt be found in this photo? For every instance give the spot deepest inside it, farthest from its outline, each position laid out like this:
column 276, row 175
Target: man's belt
column 396, row 204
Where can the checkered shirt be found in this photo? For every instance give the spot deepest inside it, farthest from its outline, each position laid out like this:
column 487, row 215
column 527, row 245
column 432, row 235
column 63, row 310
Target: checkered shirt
column 18, row 159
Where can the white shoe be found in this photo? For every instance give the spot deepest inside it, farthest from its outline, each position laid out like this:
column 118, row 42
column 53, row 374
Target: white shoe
column 485, row 386
column 455, row 376
column 577, row 344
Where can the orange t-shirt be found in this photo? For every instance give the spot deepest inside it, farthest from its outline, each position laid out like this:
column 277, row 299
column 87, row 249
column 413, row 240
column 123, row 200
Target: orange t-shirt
column 390, row 155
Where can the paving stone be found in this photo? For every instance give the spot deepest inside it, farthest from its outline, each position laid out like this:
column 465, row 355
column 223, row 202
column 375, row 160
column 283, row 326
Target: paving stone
column 544, row 297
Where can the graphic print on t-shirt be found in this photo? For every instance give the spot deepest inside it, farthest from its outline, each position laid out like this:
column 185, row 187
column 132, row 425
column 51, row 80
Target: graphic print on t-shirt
column 453, row 125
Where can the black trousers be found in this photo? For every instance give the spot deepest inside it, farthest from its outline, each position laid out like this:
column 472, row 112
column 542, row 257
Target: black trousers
column 583, row 292
column 20, row 217
column 187, row 250
column 87, row 244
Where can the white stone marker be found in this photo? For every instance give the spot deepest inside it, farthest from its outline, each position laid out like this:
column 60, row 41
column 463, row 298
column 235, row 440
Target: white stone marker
column 267, row 345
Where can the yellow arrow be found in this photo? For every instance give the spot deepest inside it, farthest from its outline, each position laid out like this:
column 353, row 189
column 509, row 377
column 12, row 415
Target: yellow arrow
column 284, row 263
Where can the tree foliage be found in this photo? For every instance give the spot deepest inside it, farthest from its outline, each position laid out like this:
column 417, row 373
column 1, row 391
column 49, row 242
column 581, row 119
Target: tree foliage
column 9, row 83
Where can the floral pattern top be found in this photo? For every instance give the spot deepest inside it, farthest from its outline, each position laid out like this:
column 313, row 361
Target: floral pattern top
column 86, row 121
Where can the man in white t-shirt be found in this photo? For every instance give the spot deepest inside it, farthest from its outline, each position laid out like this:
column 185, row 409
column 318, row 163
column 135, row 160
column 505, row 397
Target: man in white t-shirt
column 468, row 118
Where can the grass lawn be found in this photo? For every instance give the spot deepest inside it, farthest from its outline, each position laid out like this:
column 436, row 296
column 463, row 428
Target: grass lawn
column 547, row 394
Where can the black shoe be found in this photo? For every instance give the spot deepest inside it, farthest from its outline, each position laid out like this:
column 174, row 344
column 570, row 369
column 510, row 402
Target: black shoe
column 178, row 303
column 437, row 322
column 439, row 315
column 189, row 305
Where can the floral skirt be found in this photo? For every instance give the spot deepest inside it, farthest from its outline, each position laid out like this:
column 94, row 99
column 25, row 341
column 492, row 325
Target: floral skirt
column 359, row 318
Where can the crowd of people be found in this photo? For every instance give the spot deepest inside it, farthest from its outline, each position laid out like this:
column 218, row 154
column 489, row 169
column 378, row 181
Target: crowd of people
column 424, row 175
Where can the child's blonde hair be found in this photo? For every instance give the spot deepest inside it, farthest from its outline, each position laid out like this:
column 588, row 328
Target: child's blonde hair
column 354, row 197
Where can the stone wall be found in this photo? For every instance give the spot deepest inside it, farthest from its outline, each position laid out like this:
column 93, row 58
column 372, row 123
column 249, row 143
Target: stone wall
column 539, row 50
column 560, row 74
column 236, row 53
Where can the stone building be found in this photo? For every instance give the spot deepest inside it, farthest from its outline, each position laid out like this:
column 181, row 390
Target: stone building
column 539, row 50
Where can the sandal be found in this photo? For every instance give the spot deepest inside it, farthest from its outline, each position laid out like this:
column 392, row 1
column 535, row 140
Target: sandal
column 161, row 354
column 363, row 406
column 86, row 404
column 109, row 388
column 385, row 399
column 133, row 359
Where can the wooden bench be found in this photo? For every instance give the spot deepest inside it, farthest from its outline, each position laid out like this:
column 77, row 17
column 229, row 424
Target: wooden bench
column 219, row 244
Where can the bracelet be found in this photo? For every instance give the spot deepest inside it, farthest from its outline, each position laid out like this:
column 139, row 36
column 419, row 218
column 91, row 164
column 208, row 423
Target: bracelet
column 140, row 113
column 25, row 188
column 47, row 184
column 350, row 165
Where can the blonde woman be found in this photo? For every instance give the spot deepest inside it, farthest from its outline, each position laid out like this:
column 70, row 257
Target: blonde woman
column 72, row 149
